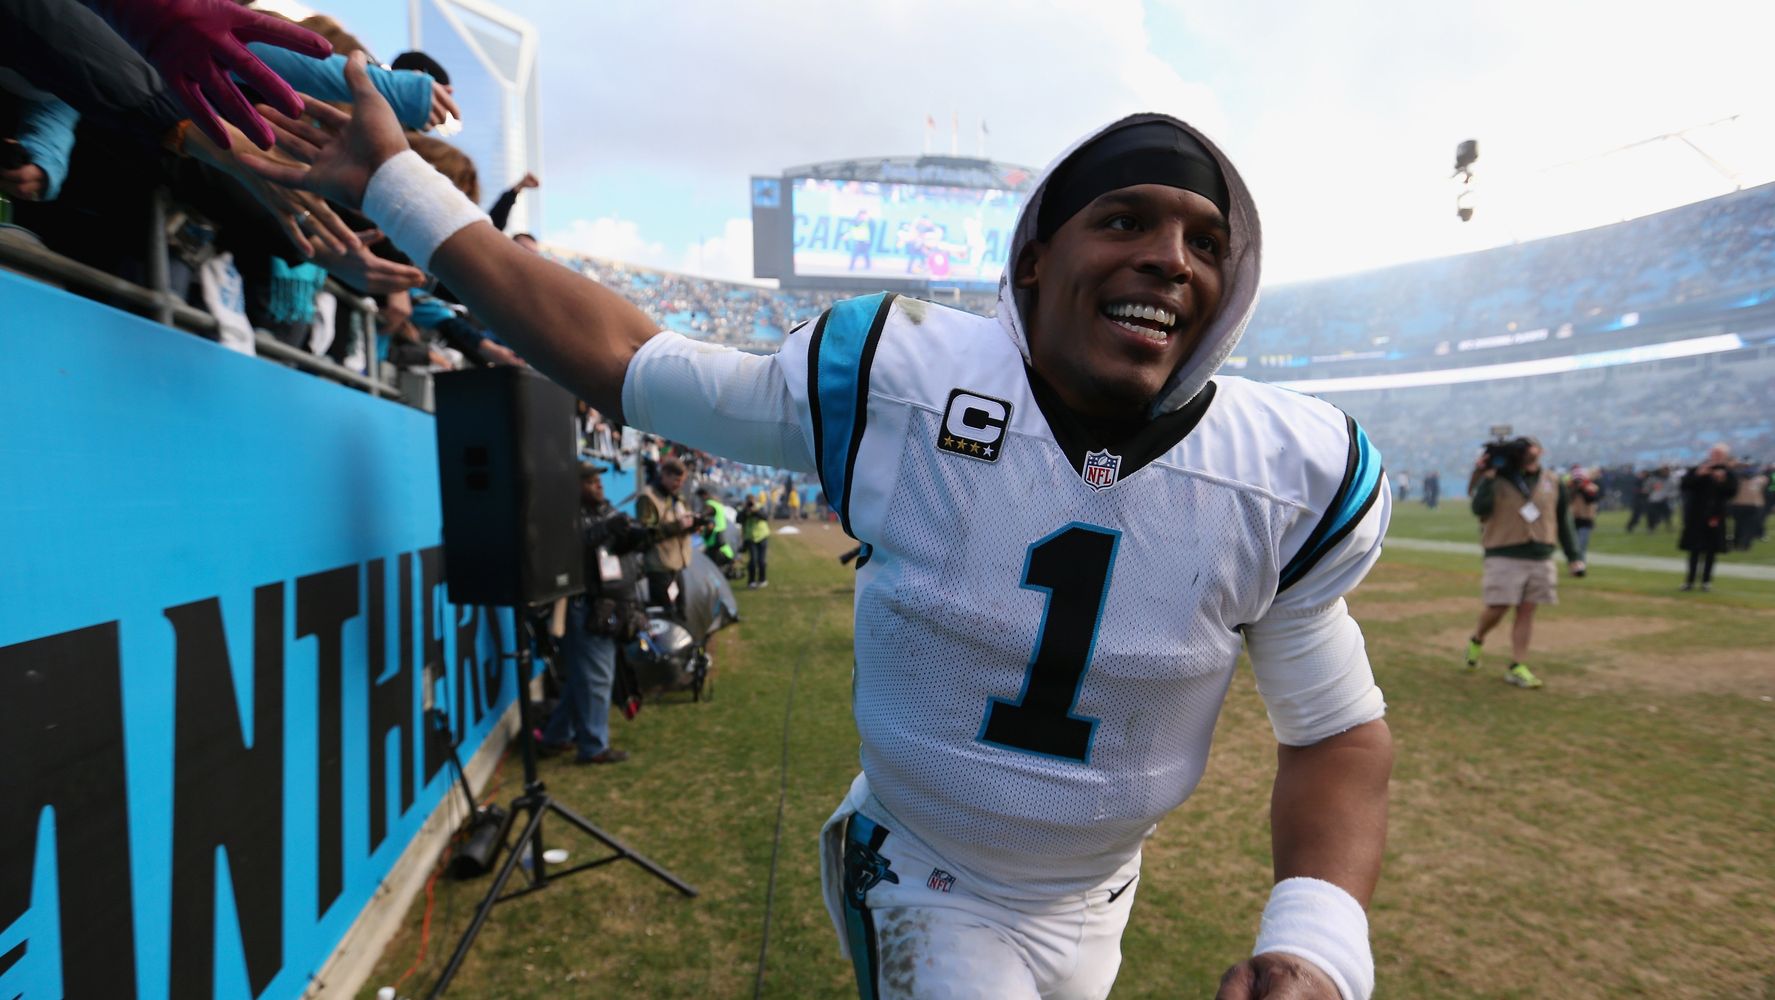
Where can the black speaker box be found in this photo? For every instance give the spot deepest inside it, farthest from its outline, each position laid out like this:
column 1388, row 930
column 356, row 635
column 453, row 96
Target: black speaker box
column 508, row 469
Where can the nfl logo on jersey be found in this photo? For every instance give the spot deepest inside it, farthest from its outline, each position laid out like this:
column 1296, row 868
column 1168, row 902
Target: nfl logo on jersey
column 940, row 880
column 1101, row 469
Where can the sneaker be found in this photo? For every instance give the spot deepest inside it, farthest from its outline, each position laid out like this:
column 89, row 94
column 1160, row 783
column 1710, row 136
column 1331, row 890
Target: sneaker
column 1519, row 675
column 1706, row 588
column 608, row 755
column 1688, row 586
column 763, row 584
column 1473, row 649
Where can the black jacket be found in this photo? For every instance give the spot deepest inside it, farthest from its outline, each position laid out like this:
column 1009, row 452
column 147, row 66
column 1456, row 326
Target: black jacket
column 1704, row 510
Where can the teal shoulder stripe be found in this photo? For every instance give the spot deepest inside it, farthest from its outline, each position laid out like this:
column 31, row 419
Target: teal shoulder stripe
column 840, row 379
column 1355, row 495
column 1362, row 486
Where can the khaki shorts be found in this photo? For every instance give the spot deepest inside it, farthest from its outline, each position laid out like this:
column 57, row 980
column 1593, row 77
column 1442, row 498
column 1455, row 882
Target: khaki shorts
column 1520, row 581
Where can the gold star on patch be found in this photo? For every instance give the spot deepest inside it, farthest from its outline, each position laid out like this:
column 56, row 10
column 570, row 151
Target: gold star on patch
column 974, row 446
column 948, row 442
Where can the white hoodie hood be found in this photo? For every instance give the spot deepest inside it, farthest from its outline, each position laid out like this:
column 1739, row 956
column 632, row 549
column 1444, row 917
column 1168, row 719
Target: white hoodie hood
column 1239, row 271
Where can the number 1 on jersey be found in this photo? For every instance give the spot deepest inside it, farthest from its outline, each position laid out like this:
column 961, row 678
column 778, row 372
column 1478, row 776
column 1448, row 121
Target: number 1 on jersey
column 1072, row 567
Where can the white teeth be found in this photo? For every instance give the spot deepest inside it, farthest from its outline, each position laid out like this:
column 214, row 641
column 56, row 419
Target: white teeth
column 1156, row 336
column 1152, row 314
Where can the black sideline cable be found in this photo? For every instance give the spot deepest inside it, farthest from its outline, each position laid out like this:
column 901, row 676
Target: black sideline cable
column 776, row 842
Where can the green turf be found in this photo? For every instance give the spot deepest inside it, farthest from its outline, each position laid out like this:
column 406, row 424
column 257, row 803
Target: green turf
column 1452, row 521
column 1612, row 835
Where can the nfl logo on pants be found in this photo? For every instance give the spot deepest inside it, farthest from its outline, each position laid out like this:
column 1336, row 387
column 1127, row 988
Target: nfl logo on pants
column 1101, row 469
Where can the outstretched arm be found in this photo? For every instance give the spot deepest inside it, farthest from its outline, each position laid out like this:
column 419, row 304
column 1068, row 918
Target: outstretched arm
column 1328, row 809
column 577, row 332
column 1328, row 822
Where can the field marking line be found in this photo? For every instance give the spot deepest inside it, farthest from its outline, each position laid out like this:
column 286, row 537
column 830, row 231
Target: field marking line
column 1651, row 564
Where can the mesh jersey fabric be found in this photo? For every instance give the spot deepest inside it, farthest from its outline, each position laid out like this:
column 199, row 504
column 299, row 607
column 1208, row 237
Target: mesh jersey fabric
column 1193, row 547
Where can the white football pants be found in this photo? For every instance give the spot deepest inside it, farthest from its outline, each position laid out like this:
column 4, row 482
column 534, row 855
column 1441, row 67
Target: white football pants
column 915, row 932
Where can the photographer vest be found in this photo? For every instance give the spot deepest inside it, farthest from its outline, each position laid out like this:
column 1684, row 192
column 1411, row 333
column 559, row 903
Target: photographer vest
column 657, row 510
column 1506, row 527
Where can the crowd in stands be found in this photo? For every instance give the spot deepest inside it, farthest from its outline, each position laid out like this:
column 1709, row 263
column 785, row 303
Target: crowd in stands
column 739, row 315
column 1578, row 284
column 1637, row 416
column 91, row 137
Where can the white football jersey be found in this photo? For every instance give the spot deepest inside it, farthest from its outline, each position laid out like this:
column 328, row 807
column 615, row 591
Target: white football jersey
column 1044, row 640
column 1047, row 619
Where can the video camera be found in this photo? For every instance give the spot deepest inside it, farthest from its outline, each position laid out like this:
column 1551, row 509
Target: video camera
column 1507, row 456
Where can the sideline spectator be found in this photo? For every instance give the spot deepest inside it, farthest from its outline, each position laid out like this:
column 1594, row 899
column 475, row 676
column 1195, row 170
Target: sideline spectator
column 501, row 211
column 1585, row 495
column 1746, row 508
column 599, row 622
column 1706, row 490
column 755, row 522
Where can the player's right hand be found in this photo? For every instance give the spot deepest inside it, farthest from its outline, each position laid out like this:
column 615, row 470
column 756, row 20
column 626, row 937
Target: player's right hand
column 1276, row 976
column 345, row 149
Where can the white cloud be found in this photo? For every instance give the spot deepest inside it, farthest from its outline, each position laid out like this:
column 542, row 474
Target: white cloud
column 616, row 239
column 752, row 88
column 727, row 256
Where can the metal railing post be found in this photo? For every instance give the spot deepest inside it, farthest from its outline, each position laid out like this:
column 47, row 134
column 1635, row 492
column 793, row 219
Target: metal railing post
column 158, row 281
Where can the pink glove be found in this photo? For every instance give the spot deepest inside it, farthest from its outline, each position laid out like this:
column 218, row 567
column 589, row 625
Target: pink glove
column 196, row 44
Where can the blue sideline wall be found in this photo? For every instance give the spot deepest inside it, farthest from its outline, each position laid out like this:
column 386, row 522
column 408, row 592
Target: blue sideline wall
column 222, row 615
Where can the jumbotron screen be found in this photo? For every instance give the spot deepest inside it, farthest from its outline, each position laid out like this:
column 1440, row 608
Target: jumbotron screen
column 857, row 229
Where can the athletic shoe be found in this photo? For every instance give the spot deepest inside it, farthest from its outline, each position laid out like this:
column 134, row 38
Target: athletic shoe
column 608, row 755
column 1688, row 586
column 1473, row 654
column 763, row 584
column 1519, row 675
column 1706, row 587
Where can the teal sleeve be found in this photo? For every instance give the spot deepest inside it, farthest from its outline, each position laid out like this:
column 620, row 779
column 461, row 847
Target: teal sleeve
column 408, row 90
column 46, row 130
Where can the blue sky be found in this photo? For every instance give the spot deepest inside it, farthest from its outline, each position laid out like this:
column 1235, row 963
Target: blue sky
column 1342, row 117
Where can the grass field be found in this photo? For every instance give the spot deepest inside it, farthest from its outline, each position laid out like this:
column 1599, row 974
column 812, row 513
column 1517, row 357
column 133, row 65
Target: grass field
column 1451, row 522
column 1612, row 835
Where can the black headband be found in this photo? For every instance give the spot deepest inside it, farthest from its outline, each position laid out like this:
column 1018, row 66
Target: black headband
column 1149, row 153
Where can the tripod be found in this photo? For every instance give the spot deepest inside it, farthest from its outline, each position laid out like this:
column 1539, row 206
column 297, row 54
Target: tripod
column 536, row 803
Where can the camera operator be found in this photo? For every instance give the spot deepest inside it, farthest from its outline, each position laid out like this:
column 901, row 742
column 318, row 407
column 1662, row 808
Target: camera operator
column 713, row 516
column 1523, row 512
column 670, row 524
column 599, row 622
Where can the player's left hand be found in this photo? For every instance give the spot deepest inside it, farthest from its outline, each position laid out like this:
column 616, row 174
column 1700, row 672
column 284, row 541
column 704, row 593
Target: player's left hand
column 1276, row 976
column 343, row 151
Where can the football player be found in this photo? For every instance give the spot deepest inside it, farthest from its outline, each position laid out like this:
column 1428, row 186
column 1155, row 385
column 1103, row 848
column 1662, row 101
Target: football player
column 1072, row 527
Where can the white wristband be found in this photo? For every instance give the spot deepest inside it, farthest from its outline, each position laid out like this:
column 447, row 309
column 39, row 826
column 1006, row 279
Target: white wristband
column 1313, row 919
column 417, row 207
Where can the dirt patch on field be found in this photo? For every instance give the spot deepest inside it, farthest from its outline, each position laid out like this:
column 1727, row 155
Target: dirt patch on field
column 1606, row 649
column 1749, row 673
column 824, row 537
column 1561, row 635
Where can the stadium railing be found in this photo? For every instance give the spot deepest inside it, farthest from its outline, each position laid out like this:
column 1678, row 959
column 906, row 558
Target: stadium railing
column 158, row 303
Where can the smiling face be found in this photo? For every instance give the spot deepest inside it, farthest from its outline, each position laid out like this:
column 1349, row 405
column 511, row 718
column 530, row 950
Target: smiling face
column 1122, row 294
